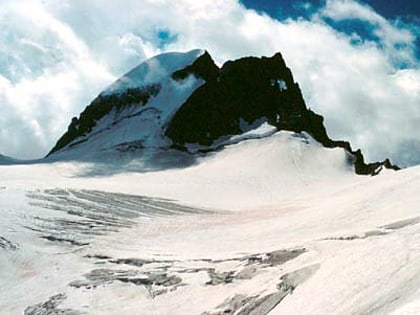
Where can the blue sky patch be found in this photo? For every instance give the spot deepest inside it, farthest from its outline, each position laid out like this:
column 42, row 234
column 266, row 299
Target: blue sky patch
column 279, row 9
column 165, row 37
column 361, row 28
column 405, row 13
column 283, row 9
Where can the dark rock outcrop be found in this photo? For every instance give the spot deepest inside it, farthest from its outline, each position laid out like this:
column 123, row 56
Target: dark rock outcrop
column 204, row 67
column 229, row 102
column 244, row 91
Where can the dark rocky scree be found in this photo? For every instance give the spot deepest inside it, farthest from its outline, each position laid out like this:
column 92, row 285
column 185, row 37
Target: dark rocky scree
column 249, row 89
column 101, row 106
column 51, row 307
column 7, row 245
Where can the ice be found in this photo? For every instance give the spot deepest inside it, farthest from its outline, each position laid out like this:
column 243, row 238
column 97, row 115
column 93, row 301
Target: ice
column 264, row 129
column 277, row 225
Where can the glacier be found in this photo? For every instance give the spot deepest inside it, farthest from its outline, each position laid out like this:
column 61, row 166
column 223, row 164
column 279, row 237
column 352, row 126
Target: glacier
column 271, row 217
column 273, row 225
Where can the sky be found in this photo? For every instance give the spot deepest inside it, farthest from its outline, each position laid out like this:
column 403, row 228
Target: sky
column 389, row 9
column 357, row 62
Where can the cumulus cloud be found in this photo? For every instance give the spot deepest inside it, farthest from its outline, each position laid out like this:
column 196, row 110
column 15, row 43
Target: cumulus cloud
column 58, row 55
column 398, row 43
column 45, row 71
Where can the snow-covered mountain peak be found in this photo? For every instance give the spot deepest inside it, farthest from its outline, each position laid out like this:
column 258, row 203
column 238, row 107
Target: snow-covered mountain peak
column 154, row 70
column 133, row 112
column 269, row 208
column 184, row 102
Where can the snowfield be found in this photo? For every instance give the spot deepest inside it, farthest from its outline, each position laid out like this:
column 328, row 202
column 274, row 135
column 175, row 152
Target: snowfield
column 278, row 225
column 139, row 125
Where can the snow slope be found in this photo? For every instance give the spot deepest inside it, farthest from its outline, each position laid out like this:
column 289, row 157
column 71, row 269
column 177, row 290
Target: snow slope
column 154, row 70
column 278, row 225
column 6, row 160
column 138, row 125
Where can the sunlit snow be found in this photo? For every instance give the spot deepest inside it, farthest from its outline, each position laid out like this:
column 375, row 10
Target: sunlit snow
column 276, row 225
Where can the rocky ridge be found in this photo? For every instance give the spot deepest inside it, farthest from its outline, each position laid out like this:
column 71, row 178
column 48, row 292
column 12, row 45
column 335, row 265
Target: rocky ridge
column 231, row 100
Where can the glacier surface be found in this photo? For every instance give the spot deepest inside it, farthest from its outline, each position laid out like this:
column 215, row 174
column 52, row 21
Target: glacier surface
column 278, row 225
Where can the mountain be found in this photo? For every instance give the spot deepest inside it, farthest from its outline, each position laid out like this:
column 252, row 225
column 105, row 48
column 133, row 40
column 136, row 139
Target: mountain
column 262, row 213
column 6, row 160
column 255, row 228
column 183, row 102
column 133, row 112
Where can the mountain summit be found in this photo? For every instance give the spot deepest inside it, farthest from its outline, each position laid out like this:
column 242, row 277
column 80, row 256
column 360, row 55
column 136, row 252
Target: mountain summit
column 184, row 102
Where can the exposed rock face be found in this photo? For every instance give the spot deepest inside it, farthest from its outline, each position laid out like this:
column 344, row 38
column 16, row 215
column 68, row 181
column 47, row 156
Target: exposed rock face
column 243, row 91
column 204, row 67
column 223, row 102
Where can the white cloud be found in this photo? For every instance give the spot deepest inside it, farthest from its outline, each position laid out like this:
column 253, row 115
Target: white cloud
column 54, row 67
column 398, row 43
column 46, row 74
